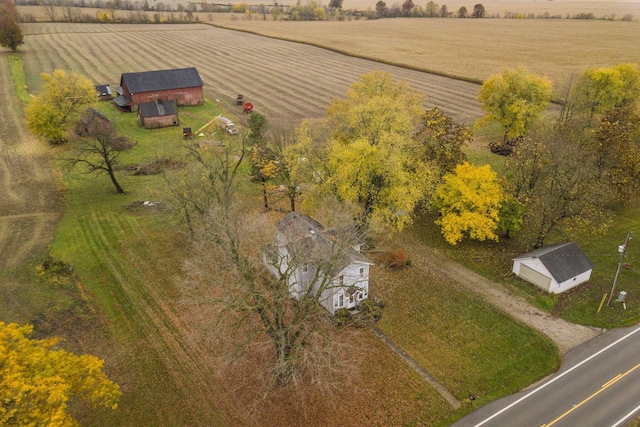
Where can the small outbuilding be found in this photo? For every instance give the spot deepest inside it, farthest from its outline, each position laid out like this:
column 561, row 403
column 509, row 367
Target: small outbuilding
column 158, row 114
column 555, row 268
column 104, row 92
column 93, row 122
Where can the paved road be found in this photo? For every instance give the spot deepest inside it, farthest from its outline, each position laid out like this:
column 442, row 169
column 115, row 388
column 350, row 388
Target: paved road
column 598, row 386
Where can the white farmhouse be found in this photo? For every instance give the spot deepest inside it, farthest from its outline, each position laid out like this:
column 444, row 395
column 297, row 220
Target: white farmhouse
column 555, row 268
column 322, row 263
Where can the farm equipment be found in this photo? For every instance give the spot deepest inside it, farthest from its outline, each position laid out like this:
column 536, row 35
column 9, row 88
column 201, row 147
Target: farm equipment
column 248, row 107
column 239, row 99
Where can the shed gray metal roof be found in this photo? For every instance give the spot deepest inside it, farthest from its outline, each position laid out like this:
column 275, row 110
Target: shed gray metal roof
column 147, row 81
column 158, row 109
column 564, row 260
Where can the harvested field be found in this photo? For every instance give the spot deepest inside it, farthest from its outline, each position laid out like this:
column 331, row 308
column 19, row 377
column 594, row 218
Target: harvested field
column 285, row 81
column 468, row 48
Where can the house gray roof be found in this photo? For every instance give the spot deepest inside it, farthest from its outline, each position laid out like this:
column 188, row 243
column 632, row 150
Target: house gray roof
column 564, row 260
column 307, row 234
column 147, row 81
column 158, row 109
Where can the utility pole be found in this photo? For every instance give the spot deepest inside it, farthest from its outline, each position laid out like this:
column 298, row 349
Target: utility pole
column 615, row 280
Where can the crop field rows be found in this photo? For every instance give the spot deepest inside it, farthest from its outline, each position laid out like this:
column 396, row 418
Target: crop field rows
column 285, row 81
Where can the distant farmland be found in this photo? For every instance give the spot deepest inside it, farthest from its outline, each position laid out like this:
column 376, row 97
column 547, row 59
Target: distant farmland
column 468, row 48
column 285, row 81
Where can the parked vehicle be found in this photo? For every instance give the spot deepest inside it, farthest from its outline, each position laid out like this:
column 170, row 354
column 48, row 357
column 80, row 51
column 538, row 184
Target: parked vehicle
column 227, row 125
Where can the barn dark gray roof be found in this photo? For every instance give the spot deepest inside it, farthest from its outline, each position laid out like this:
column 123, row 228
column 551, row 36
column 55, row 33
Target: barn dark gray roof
column 564, row 260
column 158, row 109
column 147, row 81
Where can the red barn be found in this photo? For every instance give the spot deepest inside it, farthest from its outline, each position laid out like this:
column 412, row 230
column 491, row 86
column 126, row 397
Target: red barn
column 182, row 85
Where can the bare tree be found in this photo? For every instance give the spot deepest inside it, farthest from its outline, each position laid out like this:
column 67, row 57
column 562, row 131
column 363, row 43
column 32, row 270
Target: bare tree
column 50, row 7
column 99, row 152
column 263, row 307
column 210, row 180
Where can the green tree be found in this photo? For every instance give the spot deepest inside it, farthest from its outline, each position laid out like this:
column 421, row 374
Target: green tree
column 371, row 160
column 431, row 9
column 335, row 4
column 258, row 126
column 38, row 381
column 462, row 12
column 615, row 147
column 469, row 201
column 554, row 178
column 10, row 32
column 442, row 140
column 63, row 95
column 514, row 99
column 599, row 90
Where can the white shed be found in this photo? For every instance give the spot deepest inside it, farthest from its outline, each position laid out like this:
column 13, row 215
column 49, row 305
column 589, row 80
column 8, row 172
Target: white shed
column 555, row 268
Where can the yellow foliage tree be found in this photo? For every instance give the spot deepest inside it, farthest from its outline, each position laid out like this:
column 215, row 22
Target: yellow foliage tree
column 515, row 98
column 63, row 95
column 469, row 201
column 600, row 90
column 37, row 381
column 372, row 161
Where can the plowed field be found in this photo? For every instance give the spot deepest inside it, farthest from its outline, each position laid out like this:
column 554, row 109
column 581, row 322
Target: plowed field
column 285, row 81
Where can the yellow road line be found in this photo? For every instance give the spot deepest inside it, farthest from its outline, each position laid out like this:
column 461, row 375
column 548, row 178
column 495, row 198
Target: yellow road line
column 603, row 388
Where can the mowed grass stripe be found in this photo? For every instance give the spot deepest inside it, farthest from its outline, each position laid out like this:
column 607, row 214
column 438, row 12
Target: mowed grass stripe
column 147, row 275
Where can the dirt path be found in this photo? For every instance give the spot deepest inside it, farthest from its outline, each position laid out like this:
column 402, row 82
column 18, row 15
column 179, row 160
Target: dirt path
column 29, row 200
column 564, row 334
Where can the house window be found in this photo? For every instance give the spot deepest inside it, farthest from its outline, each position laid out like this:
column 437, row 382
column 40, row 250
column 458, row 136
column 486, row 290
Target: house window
column 339, row 302
column 359, row 295
column 361, row 272
column 305, row 267
column 351, row 298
